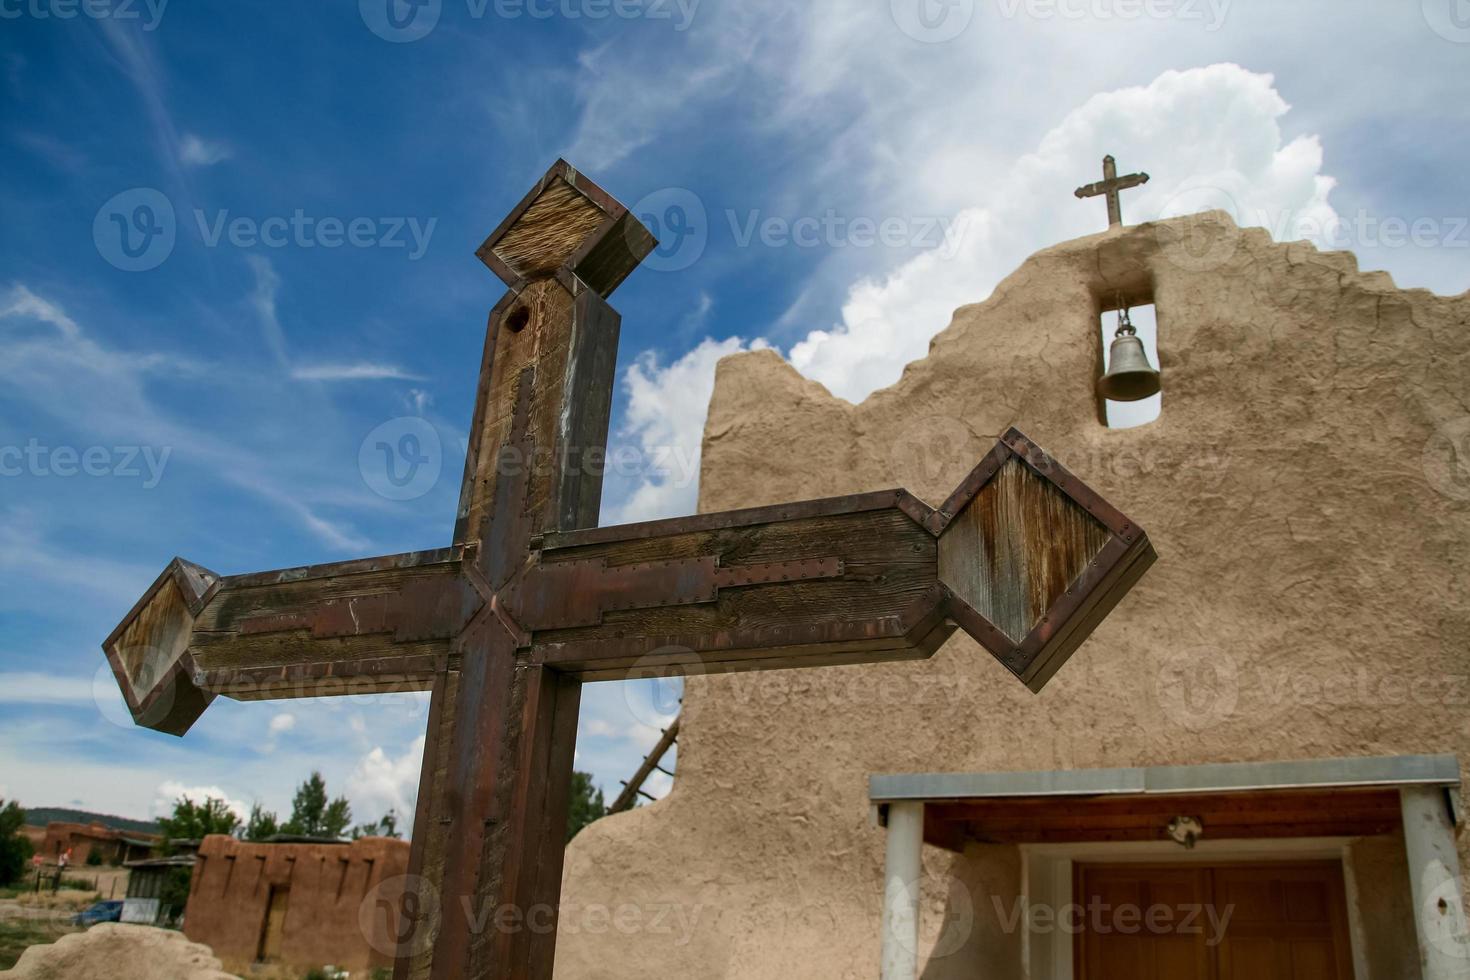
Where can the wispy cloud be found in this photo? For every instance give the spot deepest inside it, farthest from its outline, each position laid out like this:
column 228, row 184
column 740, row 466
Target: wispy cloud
column 361, row 371
column 263, row 301
column 135, row 58
column 53, row 150
column 195, row 151
column 104, row 392
column 34, row 688
column 26, row 552
column 22, row 302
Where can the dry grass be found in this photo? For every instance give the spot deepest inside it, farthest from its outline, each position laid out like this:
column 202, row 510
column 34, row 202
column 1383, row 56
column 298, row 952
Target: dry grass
column 17, row 935
column 68, row 901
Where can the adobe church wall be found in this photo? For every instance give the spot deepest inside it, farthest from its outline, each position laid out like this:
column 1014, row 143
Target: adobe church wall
column 1301, row 489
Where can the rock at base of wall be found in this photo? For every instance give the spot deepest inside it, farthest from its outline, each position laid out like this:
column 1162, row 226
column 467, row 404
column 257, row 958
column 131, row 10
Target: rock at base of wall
column 112, row 951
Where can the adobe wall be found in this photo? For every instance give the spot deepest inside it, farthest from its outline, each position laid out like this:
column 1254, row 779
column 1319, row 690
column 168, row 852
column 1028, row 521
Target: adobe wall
column 326, row 921
column 1311, row 514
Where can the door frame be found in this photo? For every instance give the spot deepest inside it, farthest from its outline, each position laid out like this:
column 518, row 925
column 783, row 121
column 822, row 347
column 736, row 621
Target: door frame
column 1048, row 879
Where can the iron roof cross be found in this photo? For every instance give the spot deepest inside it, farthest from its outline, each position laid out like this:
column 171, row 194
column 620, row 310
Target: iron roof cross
column 532, row 598
column 1109, row 187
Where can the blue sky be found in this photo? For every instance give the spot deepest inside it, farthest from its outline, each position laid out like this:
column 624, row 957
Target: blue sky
column 831, row 179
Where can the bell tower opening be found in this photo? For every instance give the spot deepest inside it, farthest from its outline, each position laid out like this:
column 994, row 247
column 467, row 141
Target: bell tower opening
column 1128, row 388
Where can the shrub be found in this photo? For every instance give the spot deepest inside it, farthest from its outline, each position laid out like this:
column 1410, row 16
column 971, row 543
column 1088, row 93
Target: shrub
column 15, row 847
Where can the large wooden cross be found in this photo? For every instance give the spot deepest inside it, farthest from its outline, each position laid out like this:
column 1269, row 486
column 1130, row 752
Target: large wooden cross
column 532, row 598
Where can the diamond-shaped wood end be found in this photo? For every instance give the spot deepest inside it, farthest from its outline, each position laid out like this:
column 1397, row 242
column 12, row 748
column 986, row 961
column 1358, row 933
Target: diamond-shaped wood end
column 568, row 228
column 149, row 650
column 1033, row 559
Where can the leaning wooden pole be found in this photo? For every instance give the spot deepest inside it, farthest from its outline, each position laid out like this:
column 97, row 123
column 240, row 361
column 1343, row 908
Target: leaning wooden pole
column 632, row 787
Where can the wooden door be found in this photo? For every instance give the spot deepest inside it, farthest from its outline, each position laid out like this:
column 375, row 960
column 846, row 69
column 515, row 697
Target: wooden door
column 1139, row 924
column 274, row 929
column 1285, row 923
column 1212, row 922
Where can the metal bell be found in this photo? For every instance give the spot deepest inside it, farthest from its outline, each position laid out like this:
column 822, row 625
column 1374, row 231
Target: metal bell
column 1130, row 376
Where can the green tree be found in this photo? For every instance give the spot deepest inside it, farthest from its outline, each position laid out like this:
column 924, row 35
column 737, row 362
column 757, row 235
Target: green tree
column 192, row 821
column 587, row 804
column 174, row 892
column 262, row 824
column 15, row 847
column 313, row 816
column 386, row 827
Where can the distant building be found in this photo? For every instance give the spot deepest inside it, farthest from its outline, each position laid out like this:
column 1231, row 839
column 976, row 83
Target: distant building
column 307, row 903
column 37, row 837
column 82, row 840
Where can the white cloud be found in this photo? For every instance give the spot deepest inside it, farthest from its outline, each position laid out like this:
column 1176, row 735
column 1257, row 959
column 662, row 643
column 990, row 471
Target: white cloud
column 1209, row 136
column 644, row 736
column 381, row 783
column 169, row 792
column 361, row 371
column 665, row 420
column 195, row 151
column 599, row 728
column 658, row 785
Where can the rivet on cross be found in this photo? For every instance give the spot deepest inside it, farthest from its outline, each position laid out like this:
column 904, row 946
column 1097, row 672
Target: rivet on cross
column 1109, row 187
column 532, row 598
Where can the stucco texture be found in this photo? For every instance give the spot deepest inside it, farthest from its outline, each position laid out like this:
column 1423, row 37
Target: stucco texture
column 1304, row 493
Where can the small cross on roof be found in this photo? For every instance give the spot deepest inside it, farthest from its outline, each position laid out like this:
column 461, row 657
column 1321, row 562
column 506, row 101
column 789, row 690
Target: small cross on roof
column 1109, row 187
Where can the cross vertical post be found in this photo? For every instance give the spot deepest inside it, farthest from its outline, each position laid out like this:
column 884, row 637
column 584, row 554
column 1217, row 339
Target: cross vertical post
column 497, row 773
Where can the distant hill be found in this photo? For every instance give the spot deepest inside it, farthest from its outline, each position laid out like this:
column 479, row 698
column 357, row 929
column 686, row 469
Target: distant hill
column 40, row 816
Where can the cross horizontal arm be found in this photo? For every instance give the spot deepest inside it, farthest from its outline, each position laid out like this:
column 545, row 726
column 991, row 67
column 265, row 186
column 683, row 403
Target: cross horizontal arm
column 359, row 627
column 1115, row 184
column 1023, row 556
column 848, row 580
